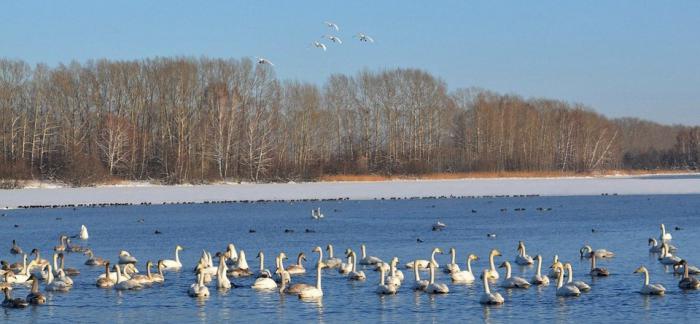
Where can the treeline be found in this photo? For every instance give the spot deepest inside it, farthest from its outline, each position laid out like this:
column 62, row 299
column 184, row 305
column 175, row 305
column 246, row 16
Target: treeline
column 199, row 120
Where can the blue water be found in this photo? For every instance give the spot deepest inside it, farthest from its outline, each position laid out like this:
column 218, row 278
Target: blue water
column 389, row 228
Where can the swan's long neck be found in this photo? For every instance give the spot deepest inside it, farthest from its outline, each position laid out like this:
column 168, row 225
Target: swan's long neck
column 570, row 270
column 119, row 274
column 415, row 274
column 560, row 279
column 299, row 259
column 262, row 261
column 281, row 263
column 55, row 262
column 663, row 232
column 24, row 265
column 320, row 255
column 469, row 264
column 453, row 254
column 487, row 290
column 432, row 274
column 493, row 266
column 381, row 276
column 318, row 275
column 63, row 259
column 330, row 251
column 177, row 255
column 107, row 270
column 364, row 252
column 646, row 276
column 432, row 257
column 200, row 279
column 393, row 268
column 148, row 271
column 522, row 249
column 222, row 266
column 539, row 266
column 508, row 270
column 354, row 261
column 592, row 261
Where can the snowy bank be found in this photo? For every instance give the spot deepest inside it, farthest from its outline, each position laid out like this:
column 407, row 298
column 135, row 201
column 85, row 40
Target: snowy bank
column 157, row 194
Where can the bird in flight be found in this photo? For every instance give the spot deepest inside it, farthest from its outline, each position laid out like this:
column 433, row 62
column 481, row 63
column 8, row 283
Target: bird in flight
column 320, row 45
column 331, row 25
column 262, row 60
column 334, row 39
column 364, row 38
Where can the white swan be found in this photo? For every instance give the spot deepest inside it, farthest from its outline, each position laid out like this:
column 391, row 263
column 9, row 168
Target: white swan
column 596, row 271
column 198, row 289
column 146, row 279
column 332, row 25
column 556, row 267
column 320, row 45
column 368, row 260
column 452, row 267
column 664, row 236
column 522, row 258
column 364, row 38
column 222, row 281
column 331, row 262
column 466, row 276
column 126, row 284
column 231, row 254
column 488, row 297
column 655, row 247
column 687, row 282
column 666, row 257
column 386, row 289
column 586, row 251
column 511, row 281
column 262, row 272
column 433, row 287
column 314, row 292
column 647, row 288
column 354, row 274
column 83, row 235
column 538, row 278
column 262, row 60
column 419, row 284
column 159, row 277
column 395, row 276
column 334, row 39
column 242, row 269
column 106, row 281
column 298, row 268
column 126, row 258
column 53, row 284
column 565, row 290
column 423, row 264
column 174, row 264
column 491, row 272
column 582, row 286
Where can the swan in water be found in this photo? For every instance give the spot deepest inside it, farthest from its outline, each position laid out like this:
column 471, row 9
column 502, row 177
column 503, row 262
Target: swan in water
column 241, row 269
column 466, row 276
column 38, row 262
column 69, row 271
column 298, row 268
column 262, row 272
column 106, row 281
column 687, row 282
column 346, row 267
column 596, row 271
column 395, row 276
column 222, row 281
column 555, row 268
column 666, row 257
column 439, row 226
column 126, row 258
column 586, row 251
column 22, row 275
column 664, row 236
column 146, row 279
column 419, row 284
column 53, row 284
column 174, row 264
column 264, row 283
column 538, row 278
column 582, row 286
column 386, row 289
column 423, row 264
column 35, row 297
column 93, row 260
column 679, row 268
column 15, row 249
column 512, row 281
column 452, row 267
column 314, row 292
column 491, row 271
column 522, row 258
column 125, row 284
column 655, row 247
column 198, row 289
column 565, row 290
column 83, row 235
column 159, row 277
column 10, row 302
column 647, row 288
column 354, row 274
column 433, row 287
column 488, row 297
column 332, row 262
column 368, row 260
column 231, row 254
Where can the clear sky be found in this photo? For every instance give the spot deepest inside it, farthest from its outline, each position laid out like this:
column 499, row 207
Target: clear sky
column 623, row 58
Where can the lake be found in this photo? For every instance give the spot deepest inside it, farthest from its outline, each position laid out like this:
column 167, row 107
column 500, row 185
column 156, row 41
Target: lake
column 388, row 228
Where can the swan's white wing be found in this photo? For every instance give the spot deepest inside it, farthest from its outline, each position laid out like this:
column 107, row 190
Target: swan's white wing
column 332, row 25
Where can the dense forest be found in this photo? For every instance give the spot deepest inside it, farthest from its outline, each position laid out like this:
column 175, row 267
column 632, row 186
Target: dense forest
column 197, row 120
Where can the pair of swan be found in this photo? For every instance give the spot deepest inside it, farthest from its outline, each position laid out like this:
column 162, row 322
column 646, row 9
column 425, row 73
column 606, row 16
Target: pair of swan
column 466, row 276
column 124, row 283
column 647, row 288
column 587, row 251
column 512, row 281
column 57, row 284
column 386, row 289
column 395, row 276
column 571, row 288
column 687, row 282
column 522, row 258
column 423, row 264
column 316, row 213
column 655, row 247
column 241, row 269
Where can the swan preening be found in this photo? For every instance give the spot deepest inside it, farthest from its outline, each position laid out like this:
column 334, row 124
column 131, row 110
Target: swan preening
column 83, row 235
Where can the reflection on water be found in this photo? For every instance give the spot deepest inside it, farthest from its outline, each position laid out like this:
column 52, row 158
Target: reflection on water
column 389, row 228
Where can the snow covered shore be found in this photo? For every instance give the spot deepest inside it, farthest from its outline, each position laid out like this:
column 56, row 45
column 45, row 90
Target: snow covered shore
column 157, row 194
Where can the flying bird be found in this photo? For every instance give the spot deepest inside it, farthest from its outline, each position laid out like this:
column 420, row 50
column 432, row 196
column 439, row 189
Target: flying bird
column 262, row 60
column 333, row 39
column 332, row 25
column 364, row 38
column 320, row 45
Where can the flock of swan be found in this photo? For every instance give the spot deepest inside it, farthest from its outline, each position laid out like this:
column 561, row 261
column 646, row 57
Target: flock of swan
column 232, row 264
column 333, row 27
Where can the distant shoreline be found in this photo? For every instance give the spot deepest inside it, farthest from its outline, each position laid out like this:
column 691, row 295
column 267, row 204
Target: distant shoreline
column 142, row 193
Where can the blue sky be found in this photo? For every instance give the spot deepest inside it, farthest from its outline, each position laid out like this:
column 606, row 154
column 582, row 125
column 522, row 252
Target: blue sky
column 623, row 58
